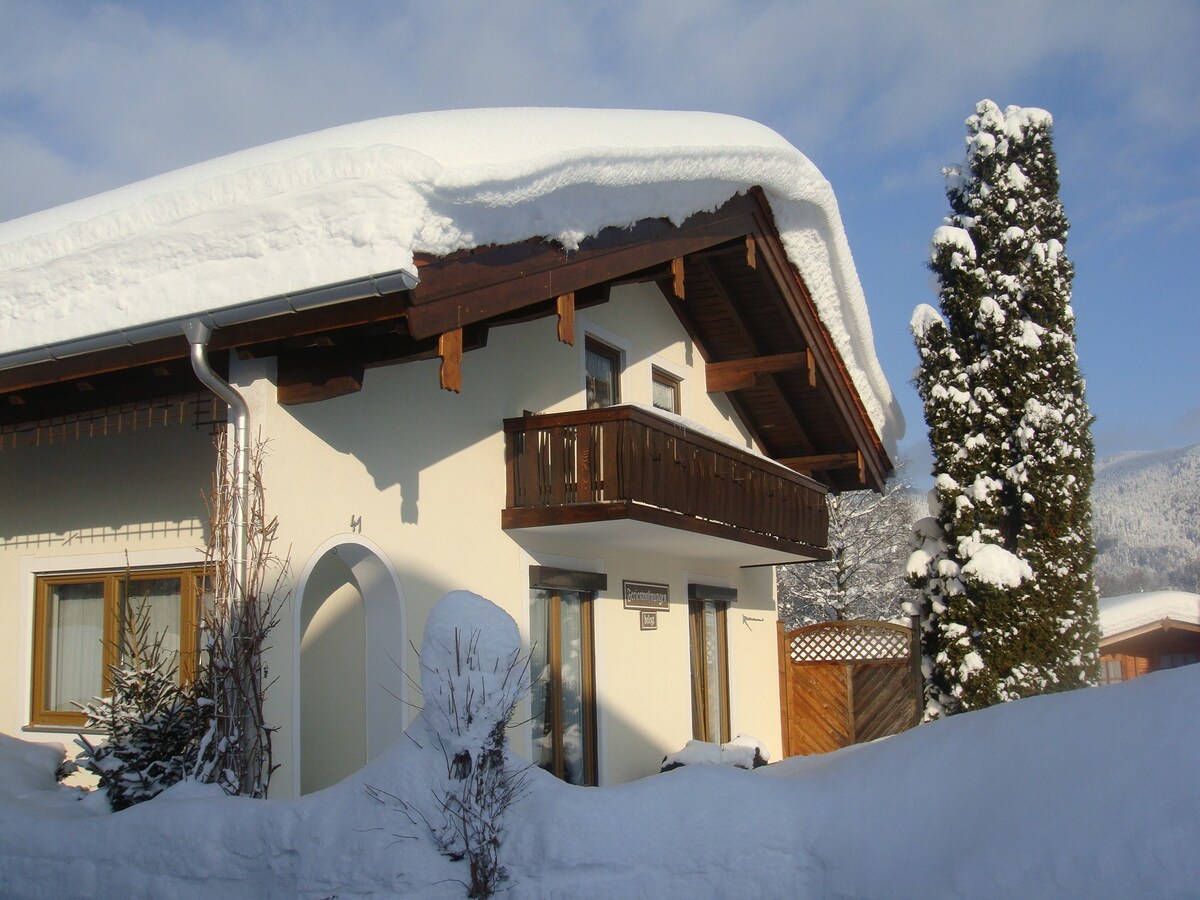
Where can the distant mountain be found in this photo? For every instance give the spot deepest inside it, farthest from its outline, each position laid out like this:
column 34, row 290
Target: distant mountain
column 1146, row 509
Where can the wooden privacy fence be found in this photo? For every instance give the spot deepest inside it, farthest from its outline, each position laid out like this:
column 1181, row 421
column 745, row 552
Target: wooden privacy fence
column 842, row 683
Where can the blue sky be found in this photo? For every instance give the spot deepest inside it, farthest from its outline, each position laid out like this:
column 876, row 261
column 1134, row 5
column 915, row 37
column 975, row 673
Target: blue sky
column 95, row 95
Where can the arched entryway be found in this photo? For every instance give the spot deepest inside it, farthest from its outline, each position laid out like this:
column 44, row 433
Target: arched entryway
column 350, row 641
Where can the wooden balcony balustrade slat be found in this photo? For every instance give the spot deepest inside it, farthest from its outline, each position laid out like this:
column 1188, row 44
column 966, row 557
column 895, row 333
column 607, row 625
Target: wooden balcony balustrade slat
column 583, row 464
column 558, row 474
column 610, row 434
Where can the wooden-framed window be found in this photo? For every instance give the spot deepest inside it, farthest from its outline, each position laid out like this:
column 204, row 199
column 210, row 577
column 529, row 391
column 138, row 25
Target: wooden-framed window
column 564, row 688
column 710, row 671
column 602, row 366
column 664, row 390
column 1110, row 671
column 77, row 623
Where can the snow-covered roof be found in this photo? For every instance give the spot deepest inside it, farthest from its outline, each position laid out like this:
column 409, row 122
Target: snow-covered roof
column 361, row 200
column 1129, row 611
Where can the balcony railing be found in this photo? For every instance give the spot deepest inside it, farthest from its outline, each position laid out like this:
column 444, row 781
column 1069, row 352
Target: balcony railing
column 628, row 462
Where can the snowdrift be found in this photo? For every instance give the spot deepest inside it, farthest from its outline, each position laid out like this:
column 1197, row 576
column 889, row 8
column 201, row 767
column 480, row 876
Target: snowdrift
column 1092, row 793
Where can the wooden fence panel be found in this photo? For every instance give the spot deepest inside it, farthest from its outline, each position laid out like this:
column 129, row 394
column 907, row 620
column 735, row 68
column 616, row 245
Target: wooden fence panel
column 818, row 710
column 884, row 701
column 843, row 683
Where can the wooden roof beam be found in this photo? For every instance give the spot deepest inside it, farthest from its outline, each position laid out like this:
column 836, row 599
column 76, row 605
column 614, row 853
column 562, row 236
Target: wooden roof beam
column 828, row 462
column 738, row 374
column 770, row 378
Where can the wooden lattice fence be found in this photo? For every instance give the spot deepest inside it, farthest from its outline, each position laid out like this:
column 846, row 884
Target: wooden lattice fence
column 842, row 683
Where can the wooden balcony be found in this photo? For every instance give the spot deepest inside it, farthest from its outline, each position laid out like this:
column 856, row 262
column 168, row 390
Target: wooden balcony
column 629, row 463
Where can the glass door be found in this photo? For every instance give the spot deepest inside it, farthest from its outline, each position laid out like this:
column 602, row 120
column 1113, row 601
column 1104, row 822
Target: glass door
column 563, row 705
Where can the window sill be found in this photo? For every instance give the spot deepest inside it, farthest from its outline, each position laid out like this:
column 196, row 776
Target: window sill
column 59, row 729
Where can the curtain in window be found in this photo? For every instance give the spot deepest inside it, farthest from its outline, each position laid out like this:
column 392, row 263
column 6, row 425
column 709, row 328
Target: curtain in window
column 161, row 599
column 74, row 669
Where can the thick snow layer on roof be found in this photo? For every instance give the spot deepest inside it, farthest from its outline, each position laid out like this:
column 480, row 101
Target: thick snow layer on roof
column 1130, row 611
column 360, row 200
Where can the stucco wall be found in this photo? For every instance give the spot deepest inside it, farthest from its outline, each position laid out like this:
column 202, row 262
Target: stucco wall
column 83, row 505
column 416, row 475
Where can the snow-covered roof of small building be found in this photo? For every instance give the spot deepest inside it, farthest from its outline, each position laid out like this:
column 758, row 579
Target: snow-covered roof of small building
column 361, row 200
column 1130, row 611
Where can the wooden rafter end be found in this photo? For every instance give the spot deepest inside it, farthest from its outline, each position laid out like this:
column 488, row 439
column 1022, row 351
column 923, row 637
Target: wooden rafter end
column 450, row 349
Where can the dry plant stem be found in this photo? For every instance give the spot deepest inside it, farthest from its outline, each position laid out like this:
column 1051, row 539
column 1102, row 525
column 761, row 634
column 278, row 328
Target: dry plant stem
column 238, row 618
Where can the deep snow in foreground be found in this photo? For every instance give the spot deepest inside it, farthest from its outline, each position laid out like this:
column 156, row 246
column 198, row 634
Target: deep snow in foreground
column 1088, row 794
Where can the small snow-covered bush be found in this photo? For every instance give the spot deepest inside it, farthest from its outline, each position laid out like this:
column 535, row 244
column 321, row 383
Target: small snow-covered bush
column 744, row 752
column 151, row 724
column 473, row 675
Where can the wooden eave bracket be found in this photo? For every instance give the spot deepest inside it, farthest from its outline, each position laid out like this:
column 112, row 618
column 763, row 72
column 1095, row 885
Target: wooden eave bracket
column 826, row 462
column 450, row 349
column 739, row 374
column 677, row 277
column 565, row 305
column 308, row 383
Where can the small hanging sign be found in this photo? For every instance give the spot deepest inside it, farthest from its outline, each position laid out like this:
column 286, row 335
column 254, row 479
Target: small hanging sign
column 649, row 620
column 644, row 595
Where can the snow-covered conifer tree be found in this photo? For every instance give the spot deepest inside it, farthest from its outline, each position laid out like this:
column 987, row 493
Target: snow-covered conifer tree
column 1005, row 559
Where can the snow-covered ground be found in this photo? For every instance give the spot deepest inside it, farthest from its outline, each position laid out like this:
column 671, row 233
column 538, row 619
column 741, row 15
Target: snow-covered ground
column 1088, row 794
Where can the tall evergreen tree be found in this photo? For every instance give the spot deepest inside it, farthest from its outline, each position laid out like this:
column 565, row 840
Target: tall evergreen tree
column 1005, row 559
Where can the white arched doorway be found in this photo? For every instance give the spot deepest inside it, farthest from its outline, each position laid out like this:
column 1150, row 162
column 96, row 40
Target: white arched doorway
column 350, row 639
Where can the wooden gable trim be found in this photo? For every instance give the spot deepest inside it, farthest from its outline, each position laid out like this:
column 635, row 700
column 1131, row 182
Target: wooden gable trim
column 830, row 366
column 1166, row 624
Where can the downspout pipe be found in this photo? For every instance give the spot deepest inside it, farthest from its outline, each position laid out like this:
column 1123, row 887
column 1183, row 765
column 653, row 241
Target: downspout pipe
column 198, row 332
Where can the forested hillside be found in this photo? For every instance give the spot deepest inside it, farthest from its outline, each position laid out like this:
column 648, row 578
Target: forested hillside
column 1147, row 521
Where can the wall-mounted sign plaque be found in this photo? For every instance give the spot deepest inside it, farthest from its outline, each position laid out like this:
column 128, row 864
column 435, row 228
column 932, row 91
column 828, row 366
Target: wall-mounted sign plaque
column 642, row 595
column 649, row 620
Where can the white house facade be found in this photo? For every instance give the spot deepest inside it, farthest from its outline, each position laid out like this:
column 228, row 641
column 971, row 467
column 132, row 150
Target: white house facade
column 611, row 423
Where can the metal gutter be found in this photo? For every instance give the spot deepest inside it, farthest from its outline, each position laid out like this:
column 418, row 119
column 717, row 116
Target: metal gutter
column 283, row 304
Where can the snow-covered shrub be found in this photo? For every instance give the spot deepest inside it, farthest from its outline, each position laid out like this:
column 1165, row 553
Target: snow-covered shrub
column 152, row 724
column 743, row 752
column 473, row 675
